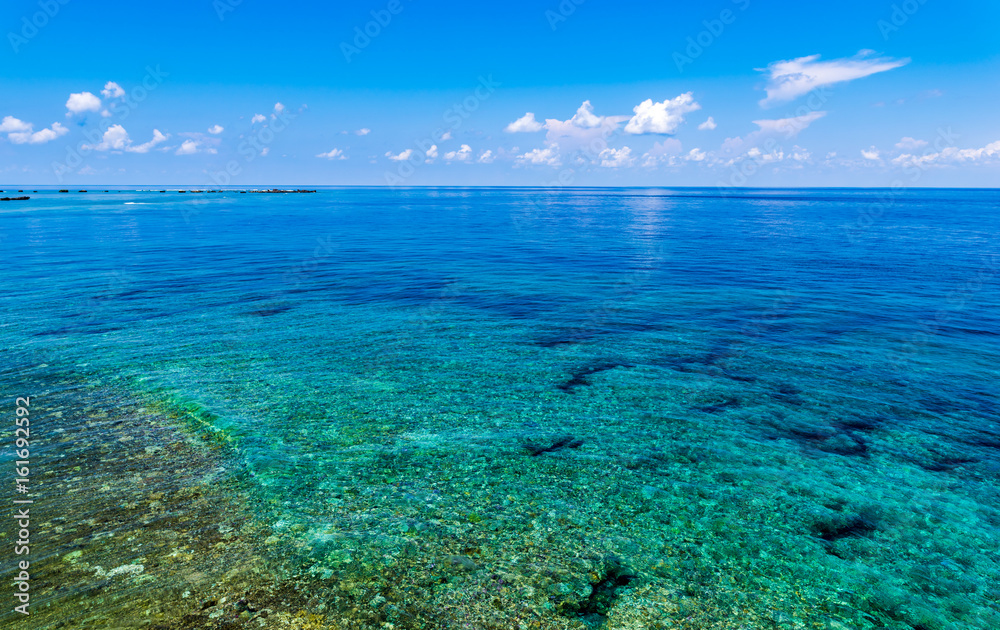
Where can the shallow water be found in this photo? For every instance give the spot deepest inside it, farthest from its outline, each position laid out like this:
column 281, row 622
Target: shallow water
column 619, row 408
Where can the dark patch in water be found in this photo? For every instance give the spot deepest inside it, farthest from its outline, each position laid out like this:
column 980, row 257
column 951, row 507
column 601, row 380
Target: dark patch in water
column 604, row 592
column 863, row 525
column 269, row 312
column 728, row 403
column 581, row 377
column 826, row 438
column 585, row 334
column 742, row 378
column 788, row 394
column 567, row 339
column 864, row 425
column 536, row 448
column 946, row 464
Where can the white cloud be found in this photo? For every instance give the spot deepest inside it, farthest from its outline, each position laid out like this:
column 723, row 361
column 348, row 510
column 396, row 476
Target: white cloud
column 910, row 144
column 548, row 156
column 696, row 155
column 216, row 129
column 662, row 152
column 363, row 131
column 486, row 157
column 788, row 80
column 333, row 154
column 616, row 158
column 112, row 90
column 82, row 102
column 278, row 108
column 117, row 139
column 38, row 137
column 188, row 147
column 13, row 125
column 446, row 136
column 402, row 157
column 158, row 138
column 708, row 125
column 114, row 139
column 265, row 151
column 871, row 154
column 952, row 156
column 585, row 118
column 788, row 127
column 432, row 153
column 464, row 154
column 258, row 118
column 582, row 129
column 525, row 124
column 661, row 118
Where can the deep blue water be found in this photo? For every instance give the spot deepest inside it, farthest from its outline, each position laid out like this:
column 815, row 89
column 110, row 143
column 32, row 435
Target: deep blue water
column 796, row 388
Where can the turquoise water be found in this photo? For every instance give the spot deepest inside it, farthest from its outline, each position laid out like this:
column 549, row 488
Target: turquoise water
column 638, row 406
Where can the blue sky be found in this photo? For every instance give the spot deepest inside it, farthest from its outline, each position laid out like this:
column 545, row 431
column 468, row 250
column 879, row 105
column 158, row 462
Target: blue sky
column 719, row 93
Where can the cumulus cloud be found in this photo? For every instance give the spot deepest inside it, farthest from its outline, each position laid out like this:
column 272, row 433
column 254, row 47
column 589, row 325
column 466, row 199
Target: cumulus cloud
column 81, row 102
column 114, row 139
column 13, row 125
column 112, row 90
column 464, row 154
column 910, row 144
column 20, row 132
column 582, row 129
column 431, row 153
column 278, row 108
column 525, row 124
column 333, row 154
column 486, row 157
column 616, row 158
column 788, row 80
column 871, row 154
column 585, row 117
column 188, row 147
column 549, row 156
column 663, row 152
column 402, row 157
column 951, row 156
column 216, row 129
column 117, row 139
column 696, row 155
column 661, row 118
column 258, row 118
column 364, row 131
column 708, row 125
column 158, row 138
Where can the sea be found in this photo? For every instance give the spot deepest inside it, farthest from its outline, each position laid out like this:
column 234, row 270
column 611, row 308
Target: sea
column 579, row 408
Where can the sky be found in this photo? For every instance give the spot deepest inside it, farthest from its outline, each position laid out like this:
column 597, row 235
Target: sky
column 725, row 93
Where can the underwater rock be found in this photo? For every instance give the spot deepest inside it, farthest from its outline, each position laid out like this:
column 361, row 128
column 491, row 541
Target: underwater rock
column 535, row 448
